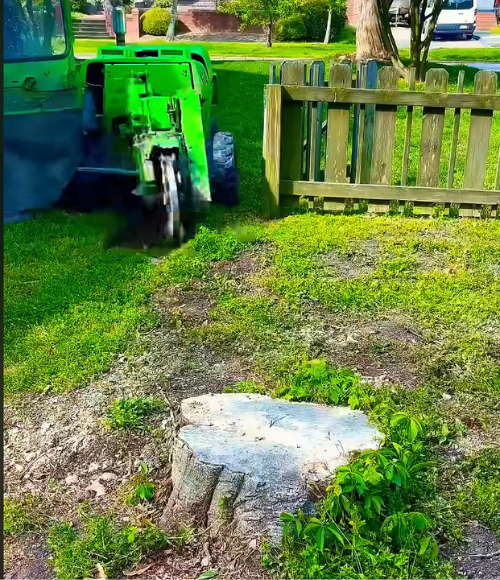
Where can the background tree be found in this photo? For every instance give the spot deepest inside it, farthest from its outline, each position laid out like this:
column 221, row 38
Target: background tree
column 263, row 13
column 424, row 16
column 374, row 38
column 173, row 21
column 337, row 7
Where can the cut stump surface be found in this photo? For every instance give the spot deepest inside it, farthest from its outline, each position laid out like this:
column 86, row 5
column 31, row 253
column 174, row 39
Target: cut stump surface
column 247, row 458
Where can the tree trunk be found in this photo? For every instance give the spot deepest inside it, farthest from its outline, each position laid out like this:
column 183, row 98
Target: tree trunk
column 419, row 47
column 269, row 34
column 173, row 22
column 328, row 27
column 369, row 39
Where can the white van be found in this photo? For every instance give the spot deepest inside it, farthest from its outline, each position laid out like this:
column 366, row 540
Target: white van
column 458, row 18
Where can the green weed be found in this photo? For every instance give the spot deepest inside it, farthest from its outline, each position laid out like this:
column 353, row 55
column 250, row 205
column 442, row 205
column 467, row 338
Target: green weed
column 130, row 413
column 317, row 381
column 479, row 494
column 26, row 515
column 141, row 488
column 247, row 387
column 100, row 540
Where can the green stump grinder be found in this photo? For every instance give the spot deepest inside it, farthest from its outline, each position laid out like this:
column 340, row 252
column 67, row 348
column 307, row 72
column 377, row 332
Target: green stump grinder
column 144, row 133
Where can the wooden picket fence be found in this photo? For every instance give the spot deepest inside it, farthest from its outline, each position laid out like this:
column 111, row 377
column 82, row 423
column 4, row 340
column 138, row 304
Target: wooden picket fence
column 334, row 145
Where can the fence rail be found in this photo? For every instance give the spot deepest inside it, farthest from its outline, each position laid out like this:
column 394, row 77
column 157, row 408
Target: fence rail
column 336, row 140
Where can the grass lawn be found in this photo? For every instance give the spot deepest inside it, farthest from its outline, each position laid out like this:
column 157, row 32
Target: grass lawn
column 411, row 304
column 304, row 50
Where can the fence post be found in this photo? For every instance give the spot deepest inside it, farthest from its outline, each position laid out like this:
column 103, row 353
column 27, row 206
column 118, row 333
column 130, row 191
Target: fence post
column 272, row 149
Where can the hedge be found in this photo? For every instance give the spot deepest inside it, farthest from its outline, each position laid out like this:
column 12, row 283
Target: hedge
column 155, row 21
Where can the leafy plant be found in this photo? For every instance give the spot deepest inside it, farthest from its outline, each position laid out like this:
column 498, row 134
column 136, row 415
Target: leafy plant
column 130, row 413
column 366, row 517
column 319, row 382
column 315, row 17
column 141, row 487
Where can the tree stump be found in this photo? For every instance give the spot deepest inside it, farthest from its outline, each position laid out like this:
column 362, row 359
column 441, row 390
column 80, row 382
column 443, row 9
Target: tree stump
column 248, row 458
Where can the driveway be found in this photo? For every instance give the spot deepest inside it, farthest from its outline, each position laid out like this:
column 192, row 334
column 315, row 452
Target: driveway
column 402, row 38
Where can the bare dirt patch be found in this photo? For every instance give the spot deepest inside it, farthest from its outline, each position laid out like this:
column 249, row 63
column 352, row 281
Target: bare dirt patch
column 382, row 351
column 355, row 264
column 480, row 556
column 30, row 556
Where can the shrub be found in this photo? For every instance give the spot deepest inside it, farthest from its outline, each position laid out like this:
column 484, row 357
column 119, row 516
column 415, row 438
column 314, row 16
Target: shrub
column 156, row 21
column 315, row 16
column 162, row 3
column 290, row 29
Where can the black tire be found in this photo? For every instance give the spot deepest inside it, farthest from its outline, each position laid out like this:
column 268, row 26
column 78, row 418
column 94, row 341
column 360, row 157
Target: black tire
column 226, row 178
column 468, row 37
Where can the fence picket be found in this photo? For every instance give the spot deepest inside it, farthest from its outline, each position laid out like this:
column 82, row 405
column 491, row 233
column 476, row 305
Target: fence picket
column 369, row 125
column 456, row 129
column 357, row 128
column 385, row 130
column 315, row 117
column 409, row 122
column 337, row 135
column 292, row 73
column 485, row 83
column 436, row 81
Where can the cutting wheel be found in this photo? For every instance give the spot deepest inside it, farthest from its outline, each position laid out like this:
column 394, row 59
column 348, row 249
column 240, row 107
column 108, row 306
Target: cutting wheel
column 171, row 196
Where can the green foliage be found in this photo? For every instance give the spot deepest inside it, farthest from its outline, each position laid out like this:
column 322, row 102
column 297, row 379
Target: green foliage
column 26, row 515
column 315, row 15
column 247, row 387
column 317, row 381
column 156, row 21
column 130, row 413
column 367, row 526
column 253, row 12
column 208, row 246
column 141, row 487
column 77, row 5
column 162, row 4
column 291, row 29
column 100, row 540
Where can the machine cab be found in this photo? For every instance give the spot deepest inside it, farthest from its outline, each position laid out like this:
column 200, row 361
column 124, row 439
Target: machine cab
column 38, row 45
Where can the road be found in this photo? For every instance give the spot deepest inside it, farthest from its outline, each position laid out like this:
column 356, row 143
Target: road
column 402, row 38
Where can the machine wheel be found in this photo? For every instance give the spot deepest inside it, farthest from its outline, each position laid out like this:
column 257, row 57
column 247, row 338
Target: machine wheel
column 226, row 179
column 468, row 37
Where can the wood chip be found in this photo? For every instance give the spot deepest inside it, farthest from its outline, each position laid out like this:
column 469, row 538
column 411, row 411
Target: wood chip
column 138, row 571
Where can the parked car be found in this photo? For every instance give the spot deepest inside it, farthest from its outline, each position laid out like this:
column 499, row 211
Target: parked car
column 399, row 12
column 458, row 18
